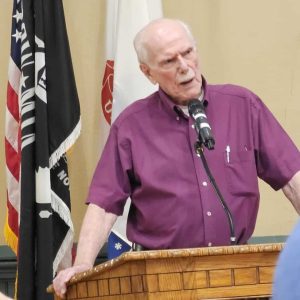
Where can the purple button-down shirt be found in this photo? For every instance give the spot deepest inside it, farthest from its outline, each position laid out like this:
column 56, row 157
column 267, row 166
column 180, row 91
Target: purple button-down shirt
column 150, row 157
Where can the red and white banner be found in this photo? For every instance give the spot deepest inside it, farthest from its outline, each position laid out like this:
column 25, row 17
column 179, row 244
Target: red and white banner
column 123, row 82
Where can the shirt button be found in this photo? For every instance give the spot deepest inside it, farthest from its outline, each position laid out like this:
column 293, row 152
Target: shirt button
column 204, row 183
column 209, row 213
column 193, row 126
column 177, row 118
column 209, row 244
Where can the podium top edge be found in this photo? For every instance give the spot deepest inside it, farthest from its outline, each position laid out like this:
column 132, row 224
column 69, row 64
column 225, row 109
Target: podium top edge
column 176, row 253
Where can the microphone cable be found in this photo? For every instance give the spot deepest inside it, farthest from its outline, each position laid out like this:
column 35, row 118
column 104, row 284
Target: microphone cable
column 199, row 152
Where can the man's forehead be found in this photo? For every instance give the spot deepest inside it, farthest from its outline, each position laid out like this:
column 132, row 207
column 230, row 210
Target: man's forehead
column 159, row 37
column 164, row 27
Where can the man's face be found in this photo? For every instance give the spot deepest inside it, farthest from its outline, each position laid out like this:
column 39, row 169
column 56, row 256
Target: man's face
column 173, row 63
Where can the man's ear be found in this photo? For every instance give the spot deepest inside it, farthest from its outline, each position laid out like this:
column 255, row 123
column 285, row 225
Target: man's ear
column 147, row 71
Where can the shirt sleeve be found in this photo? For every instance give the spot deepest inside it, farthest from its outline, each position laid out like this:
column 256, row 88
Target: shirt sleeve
column 277, row 157
column 110, row 186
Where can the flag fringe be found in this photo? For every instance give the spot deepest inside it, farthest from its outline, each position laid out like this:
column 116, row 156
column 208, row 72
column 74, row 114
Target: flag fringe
column 63, row 257
column 65, row 145
column 60, row 207
column 10, row 237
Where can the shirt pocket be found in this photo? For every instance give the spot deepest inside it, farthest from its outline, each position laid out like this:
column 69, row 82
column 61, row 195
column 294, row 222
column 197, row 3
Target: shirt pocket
column 241, row 174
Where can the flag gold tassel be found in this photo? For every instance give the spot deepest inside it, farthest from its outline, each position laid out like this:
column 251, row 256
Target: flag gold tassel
column 10, row 237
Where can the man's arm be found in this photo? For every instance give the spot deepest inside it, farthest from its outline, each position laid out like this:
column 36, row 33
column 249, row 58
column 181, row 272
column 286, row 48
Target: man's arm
column 94, row 232
column 292, row 191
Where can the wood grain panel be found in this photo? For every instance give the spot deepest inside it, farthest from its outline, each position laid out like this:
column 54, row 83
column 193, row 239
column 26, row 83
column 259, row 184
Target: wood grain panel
column 125, row 284
column 245, row 276
column 219, row 278
column 195, row 280
column 170, row 282
column 103, row 288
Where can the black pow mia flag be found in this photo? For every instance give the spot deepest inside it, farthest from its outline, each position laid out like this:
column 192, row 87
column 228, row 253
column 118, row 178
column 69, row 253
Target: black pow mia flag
column 50, row 124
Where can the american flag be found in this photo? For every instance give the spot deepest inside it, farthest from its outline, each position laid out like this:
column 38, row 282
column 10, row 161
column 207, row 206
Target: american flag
column 12, row 132
column 42, row 123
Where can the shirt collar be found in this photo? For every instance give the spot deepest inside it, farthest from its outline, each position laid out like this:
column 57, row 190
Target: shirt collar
column 172, row 108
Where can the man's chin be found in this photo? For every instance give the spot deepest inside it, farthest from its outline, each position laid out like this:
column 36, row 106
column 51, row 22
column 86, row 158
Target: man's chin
column 191, row 96
column 192, row 92
column 186, row 97
column 184, row 101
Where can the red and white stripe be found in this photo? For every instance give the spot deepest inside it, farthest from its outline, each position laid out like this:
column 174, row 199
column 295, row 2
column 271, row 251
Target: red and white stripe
column 13, row 155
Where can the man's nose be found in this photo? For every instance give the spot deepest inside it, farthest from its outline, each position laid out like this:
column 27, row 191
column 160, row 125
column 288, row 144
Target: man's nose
column 183, row 66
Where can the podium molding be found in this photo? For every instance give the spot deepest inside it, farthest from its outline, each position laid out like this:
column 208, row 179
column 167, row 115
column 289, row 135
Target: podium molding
column 231, row 272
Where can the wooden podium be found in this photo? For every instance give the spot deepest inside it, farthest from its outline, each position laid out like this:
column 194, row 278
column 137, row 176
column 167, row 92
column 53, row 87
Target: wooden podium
column 233, row 272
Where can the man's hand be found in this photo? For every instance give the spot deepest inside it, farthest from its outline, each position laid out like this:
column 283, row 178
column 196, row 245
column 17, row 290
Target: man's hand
column 94, row 232
column 60, row 281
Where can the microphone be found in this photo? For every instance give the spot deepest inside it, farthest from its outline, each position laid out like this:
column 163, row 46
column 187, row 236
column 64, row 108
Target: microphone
column 197, row 112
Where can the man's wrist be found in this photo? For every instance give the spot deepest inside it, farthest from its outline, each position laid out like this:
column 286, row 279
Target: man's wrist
column 83, row 265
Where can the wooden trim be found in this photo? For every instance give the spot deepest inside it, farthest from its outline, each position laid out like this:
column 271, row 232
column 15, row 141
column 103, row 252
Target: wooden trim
column 160, row 254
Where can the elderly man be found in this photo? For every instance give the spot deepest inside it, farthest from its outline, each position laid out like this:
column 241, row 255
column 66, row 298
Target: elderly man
column 149, row 156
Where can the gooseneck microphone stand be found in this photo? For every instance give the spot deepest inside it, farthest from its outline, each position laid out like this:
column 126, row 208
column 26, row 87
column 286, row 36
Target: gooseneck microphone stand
column 199, row 151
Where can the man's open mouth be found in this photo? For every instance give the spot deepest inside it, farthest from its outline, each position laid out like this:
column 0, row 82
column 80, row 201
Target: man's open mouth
column 186, row 81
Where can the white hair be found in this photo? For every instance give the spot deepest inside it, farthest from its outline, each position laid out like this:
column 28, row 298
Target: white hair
column 141, row 41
